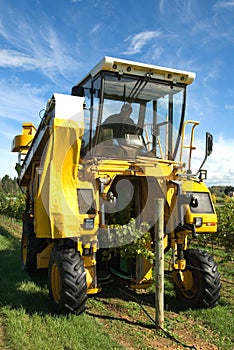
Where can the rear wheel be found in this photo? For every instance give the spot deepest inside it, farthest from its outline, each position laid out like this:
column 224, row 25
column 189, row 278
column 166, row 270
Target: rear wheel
column 67, row 281
column 30, row 247
column 199, row 285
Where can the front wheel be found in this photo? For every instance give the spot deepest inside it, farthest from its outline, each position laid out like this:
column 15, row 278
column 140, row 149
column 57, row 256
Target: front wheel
column 67, row 281
column 198, row 286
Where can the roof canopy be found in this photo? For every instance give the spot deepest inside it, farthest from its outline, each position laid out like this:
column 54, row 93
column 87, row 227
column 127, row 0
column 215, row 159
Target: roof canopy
column 141, row 69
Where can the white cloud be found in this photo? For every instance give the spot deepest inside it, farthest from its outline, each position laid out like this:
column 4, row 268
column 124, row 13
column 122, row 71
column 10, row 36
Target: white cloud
column 224, row 4
column 138, row 41
column 157, row 53
column 34, row 46
column 15, row 59
column 7, row 158
column 161, row 6
column 213, row 72
column 4, row 32
column 181, row 7
column 210, row 30
column 219, row 165
column 229, row 106
column 8, row 161
column 56, row 51
column 215, row 27
column 20, row 102
column 94, row 29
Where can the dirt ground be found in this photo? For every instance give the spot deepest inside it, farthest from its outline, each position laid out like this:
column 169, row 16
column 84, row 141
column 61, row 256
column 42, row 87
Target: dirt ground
column 128, row 322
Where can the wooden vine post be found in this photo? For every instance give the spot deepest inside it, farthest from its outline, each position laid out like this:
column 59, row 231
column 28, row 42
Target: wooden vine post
column 159, row 262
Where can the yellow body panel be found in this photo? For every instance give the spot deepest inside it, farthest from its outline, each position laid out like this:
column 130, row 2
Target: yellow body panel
column 21, row 143
column 209, row 220
column 44, row 257
column 57, row 192
column 55, row 195
column 143, row 274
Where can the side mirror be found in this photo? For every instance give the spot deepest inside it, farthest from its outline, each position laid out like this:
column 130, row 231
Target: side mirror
column 209, row 149
column 209, row 144
column 77, row 91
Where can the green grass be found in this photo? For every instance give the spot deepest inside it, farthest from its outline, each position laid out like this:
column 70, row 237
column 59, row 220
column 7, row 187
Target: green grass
column 25, row 311
column 220, row 321
column 221, row 318
column 112, row 319
column 44, row 331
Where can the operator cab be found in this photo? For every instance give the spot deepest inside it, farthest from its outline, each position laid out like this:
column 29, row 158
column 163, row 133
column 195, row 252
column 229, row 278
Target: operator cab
column 156, row 98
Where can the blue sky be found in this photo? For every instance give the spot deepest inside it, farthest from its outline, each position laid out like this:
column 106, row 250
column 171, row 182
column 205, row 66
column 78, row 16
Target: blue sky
column 48, row 46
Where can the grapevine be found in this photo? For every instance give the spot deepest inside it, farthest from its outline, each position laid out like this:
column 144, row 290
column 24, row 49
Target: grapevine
column 139, row 238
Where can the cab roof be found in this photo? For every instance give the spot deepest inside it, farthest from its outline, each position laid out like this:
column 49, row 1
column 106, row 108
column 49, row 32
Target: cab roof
column 141, row 69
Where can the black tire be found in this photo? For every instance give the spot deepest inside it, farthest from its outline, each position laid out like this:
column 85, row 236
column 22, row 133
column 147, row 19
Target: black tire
column 30, row 247
column 204, row 290
column 67, row 281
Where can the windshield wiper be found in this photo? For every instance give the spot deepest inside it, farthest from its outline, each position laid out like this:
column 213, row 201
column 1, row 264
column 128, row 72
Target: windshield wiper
column 139, row 86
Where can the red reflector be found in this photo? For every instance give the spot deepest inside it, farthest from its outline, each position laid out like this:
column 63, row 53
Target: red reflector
column 210, row 223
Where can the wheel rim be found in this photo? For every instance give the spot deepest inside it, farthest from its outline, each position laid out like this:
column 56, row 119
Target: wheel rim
column 189, row 284
column 55, row 283
column 24, row 249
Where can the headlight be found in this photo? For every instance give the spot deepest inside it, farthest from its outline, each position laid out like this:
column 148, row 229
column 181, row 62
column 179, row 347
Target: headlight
column 198, row 222
column 88, row 224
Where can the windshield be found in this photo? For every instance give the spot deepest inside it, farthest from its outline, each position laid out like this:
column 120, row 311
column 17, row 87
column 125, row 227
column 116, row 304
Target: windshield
column 132, row 111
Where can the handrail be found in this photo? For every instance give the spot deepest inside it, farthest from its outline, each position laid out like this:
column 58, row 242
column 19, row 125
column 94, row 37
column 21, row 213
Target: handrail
column 190, row 146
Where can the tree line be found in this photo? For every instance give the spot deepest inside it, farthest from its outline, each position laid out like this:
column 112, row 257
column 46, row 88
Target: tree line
column 12, row 201
column 222, row 194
